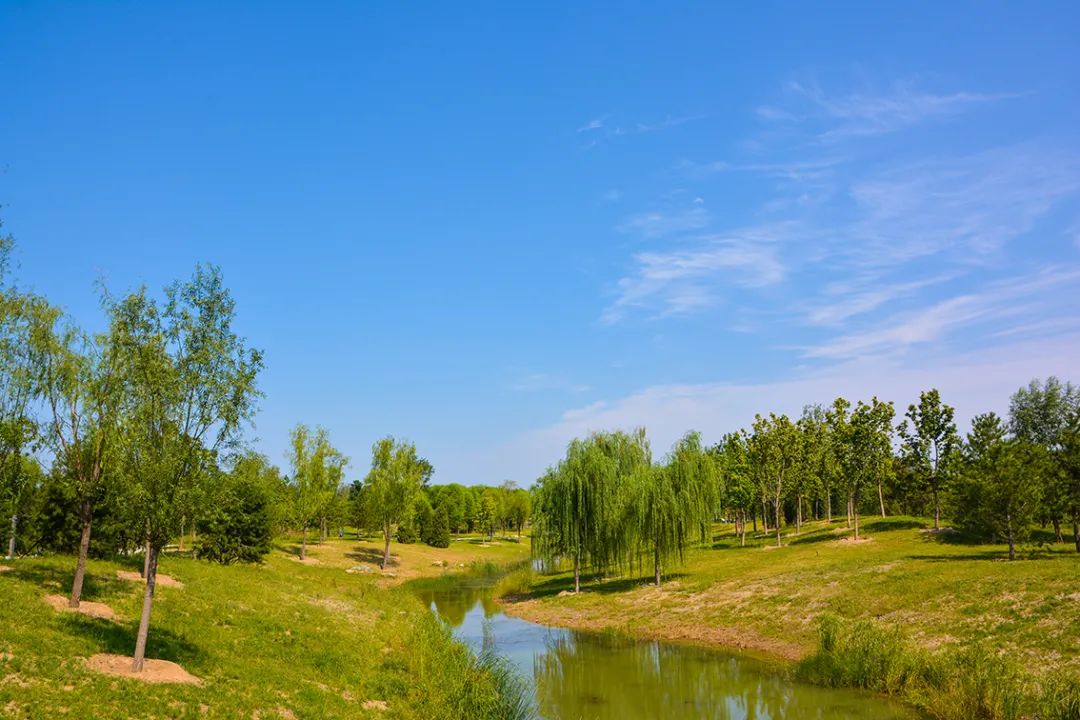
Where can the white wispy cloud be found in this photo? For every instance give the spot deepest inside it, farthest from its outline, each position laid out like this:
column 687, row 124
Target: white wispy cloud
column 683, row 280
column 973, row 382
column 1021, row 301
column 871, row 112
column 594, row 124
column 545, row 382
column 662, row 223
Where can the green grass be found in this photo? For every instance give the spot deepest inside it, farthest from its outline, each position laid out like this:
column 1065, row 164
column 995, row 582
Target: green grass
column 952, row 684
column 282, row 639
column 942, row 592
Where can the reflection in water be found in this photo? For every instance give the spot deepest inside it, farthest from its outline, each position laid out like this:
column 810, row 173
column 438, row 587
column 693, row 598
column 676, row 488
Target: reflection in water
column 598, row 677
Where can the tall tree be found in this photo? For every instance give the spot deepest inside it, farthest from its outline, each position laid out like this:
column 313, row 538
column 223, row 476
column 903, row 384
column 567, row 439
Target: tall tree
column 1042, row 414
column 739, row 494
column 189, row 385
column 867, row 453
column 930, row 446
column 774, row 454
column 78, row 376
column 1003, row 481
column 579, row 512
column 675, row 500
column 317, row 472
column 397, row 474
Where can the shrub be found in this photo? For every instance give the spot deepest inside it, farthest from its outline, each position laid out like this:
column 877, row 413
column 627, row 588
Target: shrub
column 240, row 527
column 437, row 530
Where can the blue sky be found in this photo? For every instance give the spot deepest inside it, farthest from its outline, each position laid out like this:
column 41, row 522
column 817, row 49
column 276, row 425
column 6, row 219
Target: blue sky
column 489, row 228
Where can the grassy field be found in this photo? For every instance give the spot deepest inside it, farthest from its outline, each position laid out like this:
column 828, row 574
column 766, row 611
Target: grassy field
column 941, row 592
column 334, row 637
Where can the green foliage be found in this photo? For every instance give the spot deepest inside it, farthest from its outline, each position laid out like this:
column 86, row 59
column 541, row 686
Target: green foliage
column 397, row 476
column 239, row 526
column 438, row 530
column 931, row 447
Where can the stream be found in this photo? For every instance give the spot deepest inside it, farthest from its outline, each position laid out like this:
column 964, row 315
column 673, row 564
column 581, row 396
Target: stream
column 586, row 676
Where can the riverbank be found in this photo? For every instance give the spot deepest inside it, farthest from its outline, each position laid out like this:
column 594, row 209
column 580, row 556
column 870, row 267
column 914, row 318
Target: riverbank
column 942, row 591
column 940, row 595
column 279, row 640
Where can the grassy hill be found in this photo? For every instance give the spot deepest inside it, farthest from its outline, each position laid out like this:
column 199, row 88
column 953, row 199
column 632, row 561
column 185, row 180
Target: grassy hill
column 334, row 637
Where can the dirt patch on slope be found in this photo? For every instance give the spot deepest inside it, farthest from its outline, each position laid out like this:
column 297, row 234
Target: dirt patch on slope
column 59, row 603
column 154, row 671
column 5, row 568
column 306, row 561
column 160, row 581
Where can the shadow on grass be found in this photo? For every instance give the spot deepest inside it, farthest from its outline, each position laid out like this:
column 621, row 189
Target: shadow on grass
column 54, row 580
column 370, row 555
column 555, row 585
column 119, row 639
column 886, row 524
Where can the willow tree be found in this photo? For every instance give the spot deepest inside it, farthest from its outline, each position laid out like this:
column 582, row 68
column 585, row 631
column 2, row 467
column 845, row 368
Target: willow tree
column 774, row 453
column 931, row 447
column 17, row 389
column 580, row 508
column 397, row 475
column 317, row 472
column 189, row 385
column 675, row 500
column 78, row 377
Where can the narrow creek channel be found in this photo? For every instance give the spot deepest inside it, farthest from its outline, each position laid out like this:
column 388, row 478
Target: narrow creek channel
column 585, row 676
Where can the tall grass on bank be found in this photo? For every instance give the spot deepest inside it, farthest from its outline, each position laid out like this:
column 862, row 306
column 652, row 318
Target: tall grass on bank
column 443, row 678
column 957, row 684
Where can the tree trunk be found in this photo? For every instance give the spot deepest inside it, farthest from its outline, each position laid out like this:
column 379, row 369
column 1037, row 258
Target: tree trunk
column 11, row 540
column 1056, row 521
column 1076, row 528
column 753, row 514
column 386, row 546
column 855, row 515
column 881, row 497
column 86, row 514
column 303, row 544
column 180, row 545
column 1012, row 542
column 798, row 515
column 148, row 604
column 194, row 543
column 146, row 561
column 828, row 507
column 656, row 564
column 577, row 574
column 322, row 530
column 743, row 529
column 849, row 512
column 777, row 509
column 937, row 511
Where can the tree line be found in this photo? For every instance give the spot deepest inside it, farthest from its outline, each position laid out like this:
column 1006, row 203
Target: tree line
column 609, row 507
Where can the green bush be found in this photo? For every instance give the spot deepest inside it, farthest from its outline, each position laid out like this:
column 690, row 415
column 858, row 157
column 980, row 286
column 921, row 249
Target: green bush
column 240, row 527
column 437, row 530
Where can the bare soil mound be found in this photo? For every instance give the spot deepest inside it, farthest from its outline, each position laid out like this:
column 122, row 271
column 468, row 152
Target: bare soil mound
column 161, row 580
column 93, row 609
column 853, row 541
column 6, row 568
column 306, row 561
column 154, row 671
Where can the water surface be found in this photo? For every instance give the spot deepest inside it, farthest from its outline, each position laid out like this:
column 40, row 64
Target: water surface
column 585, row 676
